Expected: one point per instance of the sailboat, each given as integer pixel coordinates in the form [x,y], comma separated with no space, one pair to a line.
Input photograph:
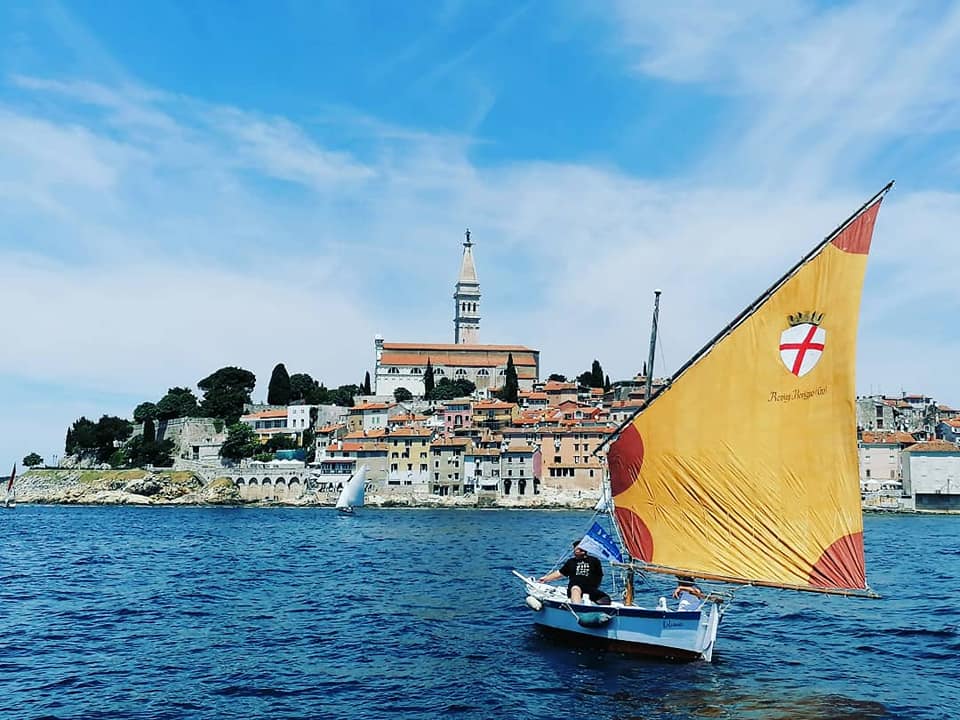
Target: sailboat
[10,500]
[742,469]
[351,496]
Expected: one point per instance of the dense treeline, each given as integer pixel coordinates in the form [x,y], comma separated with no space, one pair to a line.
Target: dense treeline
[224,394]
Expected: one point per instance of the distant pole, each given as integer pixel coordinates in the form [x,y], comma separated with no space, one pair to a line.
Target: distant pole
[653,345]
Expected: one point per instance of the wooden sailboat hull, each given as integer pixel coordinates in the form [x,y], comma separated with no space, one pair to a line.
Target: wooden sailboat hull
[667,634]
[663,633]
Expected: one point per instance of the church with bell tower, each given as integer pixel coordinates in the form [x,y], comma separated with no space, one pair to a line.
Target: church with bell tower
[401,365]
[466,297]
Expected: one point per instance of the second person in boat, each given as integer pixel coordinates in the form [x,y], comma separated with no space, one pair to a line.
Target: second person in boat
[584,573]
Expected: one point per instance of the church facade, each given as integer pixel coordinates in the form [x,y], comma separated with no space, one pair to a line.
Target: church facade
[403,364]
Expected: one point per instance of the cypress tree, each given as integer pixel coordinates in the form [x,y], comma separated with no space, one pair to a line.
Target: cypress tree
[149,431]
[428,381]
[511,387]
[596,375]
[278,393]
[366,384]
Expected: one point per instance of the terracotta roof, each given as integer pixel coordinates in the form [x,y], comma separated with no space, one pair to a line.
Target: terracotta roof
[897,436]
[344,447]
[554,386]
[365,434]
[450,359]
[519,448]
[953,422]
[933,446]
[330,428]
[371,406]
[492,405]
[453,346]
[265,414]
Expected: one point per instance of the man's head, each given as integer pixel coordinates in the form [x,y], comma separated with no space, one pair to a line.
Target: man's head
[577,550]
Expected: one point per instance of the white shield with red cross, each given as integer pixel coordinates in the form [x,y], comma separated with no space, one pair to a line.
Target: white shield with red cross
[801,347]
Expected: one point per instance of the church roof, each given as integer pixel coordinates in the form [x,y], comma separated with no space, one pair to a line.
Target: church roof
[454,359]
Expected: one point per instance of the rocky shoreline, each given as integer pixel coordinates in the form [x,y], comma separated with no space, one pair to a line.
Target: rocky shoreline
[145,487]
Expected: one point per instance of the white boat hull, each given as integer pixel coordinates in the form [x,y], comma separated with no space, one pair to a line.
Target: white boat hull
[667,634]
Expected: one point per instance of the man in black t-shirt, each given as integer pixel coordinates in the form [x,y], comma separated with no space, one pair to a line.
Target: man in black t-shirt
[584,573]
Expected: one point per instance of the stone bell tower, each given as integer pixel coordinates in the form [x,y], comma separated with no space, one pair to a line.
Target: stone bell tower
[466,298]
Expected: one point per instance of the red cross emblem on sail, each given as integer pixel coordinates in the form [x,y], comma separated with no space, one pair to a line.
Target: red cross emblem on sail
[801,347]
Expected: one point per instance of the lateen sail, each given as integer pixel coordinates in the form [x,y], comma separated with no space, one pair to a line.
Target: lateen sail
[352,493]
[745,466]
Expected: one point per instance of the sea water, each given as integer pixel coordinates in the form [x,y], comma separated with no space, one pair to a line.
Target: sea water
[127,612]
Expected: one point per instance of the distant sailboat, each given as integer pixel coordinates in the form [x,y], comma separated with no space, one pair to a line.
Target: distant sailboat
[11,498]
[764,489]
[351,496]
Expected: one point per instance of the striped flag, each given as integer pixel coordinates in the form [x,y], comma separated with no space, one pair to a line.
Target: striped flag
[600,543]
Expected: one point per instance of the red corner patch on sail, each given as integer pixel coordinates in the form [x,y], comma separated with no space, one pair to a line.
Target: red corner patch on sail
[856,236]
[841,565]
[624,459]
[635,533]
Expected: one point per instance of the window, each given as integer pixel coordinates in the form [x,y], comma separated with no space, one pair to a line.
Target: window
[393,371]
[460,372]
[416,371]
[438,371]
[868,472]
[483,372]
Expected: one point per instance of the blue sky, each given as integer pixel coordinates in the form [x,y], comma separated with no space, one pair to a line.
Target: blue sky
[190,185]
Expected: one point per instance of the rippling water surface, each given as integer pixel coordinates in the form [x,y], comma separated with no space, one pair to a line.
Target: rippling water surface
[122,612]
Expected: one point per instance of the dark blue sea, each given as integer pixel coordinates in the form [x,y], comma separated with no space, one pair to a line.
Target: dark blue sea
[125,612]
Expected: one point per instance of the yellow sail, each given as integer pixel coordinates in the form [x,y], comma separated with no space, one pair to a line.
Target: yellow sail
[745,466]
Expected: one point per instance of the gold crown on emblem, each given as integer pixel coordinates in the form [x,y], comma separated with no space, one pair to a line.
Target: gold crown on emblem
[807,317]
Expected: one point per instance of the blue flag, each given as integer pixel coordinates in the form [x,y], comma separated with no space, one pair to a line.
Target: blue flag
[600,543]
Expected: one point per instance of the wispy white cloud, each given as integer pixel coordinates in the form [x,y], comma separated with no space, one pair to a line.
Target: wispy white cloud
[159,237]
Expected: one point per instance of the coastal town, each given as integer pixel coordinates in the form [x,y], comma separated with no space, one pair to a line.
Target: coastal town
[540,445]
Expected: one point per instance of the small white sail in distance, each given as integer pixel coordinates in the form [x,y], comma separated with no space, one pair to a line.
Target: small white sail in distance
[352,494]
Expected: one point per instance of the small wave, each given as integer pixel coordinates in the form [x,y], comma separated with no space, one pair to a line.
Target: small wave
[250,691]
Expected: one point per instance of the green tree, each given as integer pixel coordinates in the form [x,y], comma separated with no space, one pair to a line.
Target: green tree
[606,383]
[32,460]
[596,375]
[585,378]
[511,386]
[344,395]
[447,389]
[308,441]
[366,384]
[280,441]
[110,432]
[401,394]
[140,452]
[428,380]
[81,438]
[557,377]
[177,403]
[145,411]
[225,392]
[279,390]
[149,431]
[241,442]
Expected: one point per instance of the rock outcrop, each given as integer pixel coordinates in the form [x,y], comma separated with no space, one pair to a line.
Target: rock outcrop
[74,486]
